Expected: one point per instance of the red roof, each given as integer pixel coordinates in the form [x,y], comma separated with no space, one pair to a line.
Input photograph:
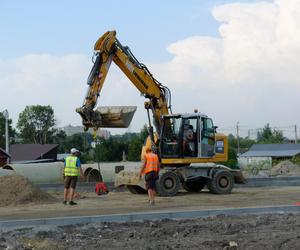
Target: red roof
[27,152]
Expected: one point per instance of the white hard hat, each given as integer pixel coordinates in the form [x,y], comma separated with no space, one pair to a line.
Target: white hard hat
[74,150]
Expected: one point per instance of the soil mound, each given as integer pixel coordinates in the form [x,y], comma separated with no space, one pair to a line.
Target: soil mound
[18,190]
[285,168]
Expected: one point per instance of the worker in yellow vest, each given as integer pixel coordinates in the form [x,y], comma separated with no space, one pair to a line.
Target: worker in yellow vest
[72,170]
[150,169]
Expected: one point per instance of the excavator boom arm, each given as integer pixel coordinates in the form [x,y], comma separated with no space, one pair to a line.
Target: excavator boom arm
[108,49]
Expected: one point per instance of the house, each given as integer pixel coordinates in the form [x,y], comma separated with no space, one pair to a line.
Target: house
[33,152]
[263,155]
[4,157]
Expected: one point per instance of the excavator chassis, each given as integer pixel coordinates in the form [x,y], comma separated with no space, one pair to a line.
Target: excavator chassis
[219,179]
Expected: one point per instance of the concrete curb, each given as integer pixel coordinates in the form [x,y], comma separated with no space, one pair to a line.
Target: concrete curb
[61,221]
[252,182]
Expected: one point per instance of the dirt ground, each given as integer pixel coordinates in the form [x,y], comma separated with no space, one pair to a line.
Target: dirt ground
[273,231]
[277,231]
[125,202]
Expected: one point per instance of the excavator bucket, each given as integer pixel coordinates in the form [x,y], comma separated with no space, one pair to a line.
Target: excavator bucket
[128,178]
[107,117]
[131,180]
[114,116]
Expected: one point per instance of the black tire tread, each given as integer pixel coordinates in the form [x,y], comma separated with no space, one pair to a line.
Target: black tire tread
[213,184]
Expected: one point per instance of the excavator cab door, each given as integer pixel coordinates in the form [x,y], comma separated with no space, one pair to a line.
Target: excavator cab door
[207,138]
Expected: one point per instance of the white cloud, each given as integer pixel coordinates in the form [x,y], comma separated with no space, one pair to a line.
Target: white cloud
[46,80]
[247,74]
[60,81]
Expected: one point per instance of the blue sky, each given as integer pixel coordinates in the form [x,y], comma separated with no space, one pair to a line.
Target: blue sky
[63,27]
[235,60]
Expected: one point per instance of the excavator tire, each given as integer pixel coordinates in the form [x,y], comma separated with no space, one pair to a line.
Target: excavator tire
[221,183]
[194,186]
[168,184]
[136,189]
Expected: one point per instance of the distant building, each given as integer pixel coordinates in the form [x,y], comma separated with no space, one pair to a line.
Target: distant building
[33,152]
[4,157]
[262,155]
[71,130]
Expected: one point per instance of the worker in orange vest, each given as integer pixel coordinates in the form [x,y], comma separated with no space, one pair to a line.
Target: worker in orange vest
[150,169]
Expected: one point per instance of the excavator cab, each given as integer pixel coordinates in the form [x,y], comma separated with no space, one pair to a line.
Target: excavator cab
[191,136]
[187,136]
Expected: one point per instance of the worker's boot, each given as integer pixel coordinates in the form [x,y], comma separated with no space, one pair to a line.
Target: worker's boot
[152,203]
[72,203]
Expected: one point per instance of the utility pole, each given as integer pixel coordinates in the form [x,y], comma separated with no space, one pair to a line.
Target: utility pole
[6,116]
[296,139]
[238,138]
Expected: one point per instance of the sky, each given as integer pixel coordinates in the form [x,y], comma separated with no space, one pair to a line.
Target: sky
[236,61]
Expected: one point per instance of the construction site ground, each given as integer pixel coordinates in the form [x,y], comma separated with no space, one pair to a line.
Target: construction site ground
[122,202]
[264,231]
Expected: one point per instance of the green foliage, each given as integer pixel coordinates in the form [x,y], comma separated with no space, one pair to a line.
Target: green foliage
[245,144]
[232,158]
[11,131]
[135,148]
[36,124]
[296,160]
[269,136]
[131,143]
[59,138]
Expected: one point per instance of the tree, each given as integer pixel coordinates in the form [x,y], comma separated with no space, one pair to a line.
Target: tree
[245,144]
[136,144]
[36,124]
[11,131]
[59,138]
[270,136]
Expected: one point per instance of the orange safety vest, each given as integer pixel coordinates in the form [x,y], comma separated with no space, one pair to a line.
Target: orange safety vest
[151,163]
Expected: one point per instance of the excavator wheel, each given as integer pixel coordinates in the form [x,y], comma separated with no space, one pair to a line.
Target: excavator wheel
[168,184]
[136,189]
[194,186]
[221,183]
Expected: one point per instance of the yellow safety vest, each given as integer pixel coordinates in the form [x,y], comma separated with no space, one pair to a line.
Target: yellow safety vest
[70,168]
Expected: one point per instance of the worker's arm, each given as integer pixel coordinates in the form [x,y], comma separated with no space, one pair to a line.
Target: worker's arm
[63,169]
[143,167]
[78,164]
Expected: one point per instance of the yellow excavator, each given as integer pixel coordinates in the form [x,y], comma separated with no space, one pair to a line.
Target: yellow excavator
[189,148]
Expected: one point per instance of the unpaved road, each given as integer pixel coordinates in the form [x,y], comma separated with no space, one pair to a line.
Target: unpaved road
[125,202]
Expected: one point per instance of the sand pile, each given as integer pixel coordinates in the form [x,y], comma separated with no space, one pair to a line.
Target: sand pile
[17,190]
[285,168]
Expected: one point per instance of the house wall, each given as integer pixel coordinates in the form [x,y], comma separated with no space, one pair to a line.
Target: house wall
[261,163]
[3,159]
